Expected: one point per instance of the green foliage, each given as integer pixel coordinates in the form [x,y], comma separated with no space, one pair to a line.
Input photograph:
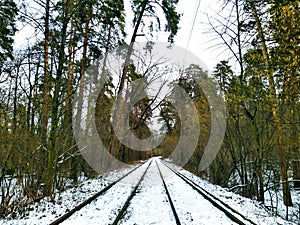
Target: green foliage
[223,73]
[168,7]
[8,13]
[168,116]
[172,18]
[188,81]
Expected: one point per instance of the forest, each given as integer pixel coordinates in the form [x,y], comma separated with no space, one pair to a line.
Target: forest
[259,83]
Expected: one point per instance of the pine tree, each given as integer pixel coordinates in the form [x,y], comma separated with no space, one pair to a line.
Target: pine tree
[8,13]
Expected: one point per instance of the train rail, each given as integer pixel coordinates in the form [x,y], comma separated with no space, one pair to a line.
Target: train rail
[231,213]
[125,206]
[94,197]
[169,196]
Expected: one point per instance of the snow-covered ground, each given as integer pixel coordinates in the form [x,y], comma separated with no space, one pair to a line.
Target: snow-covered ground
[150,205]
[251,209]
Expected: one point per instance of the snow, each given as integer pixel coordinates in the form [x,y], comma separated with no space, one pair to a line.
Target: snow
[150,205]
[192,207]
[253,210]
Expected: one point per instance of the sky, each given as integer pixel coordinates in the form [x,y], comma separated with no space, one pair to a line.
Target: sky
[199,43]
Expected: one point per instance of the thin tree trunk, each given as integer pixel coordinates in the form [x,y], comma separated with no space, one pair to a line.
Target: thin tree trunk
[293,92]
[239,43]
[46,102]
[74,160]
[69,100]
[129,52]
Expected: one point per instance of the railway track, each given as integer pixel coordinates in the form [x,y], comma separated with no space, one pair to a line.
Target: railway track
[125,206]
[169,196]
[231,213]
[98,194]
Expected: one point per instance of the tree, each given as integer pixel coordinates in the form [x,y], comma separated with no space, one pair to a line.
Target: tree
[276,101]
[173,116]
[8,13]
[285,58]
[39,82]
[141,7]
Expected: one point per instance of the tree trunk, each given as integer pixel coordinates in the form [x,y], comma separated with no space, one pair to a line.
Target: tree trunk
[295,135]
[69,101]
[74,160]
[46,104]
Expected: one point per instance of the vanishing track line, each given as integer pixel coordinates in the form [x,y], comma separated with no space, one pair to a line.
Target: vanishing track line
[231,213]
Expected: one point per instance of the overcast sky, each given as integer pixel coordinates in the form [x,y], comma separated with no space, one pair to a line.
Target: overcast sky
[199,42]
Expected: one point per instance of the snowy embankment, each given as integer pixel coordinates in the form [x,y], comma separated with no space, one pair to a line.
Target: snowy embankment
[150,204]
[253,210]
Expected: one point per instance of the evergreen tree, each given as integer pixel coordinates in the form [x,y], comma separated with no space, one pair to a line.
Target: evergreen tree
[8,13]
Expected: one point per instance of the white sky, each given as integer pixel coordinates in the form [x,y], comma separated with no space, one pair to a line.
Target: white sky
[199,42]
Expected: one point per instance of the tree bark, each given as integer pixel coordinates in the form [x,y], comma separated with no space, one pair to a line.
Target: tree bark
[46,104]
[74,160]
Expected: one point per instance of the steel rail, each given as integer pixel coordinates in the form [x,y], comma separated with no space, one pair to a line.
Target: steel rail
[126,204]
[222,206]
[169,196]
[92,198]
